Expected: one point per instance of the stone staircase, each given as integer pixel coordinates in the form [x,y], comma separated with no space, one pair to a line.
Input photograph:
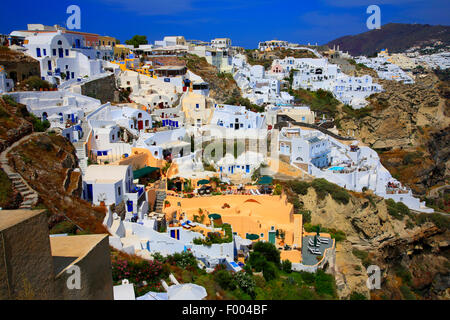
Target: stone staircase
[160,196]
[29,197]
[80,147]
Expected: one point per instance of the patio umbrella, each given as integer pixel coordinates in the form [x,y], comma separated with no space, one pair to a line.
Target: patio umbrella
[153,296]
[202,182]
[188,291]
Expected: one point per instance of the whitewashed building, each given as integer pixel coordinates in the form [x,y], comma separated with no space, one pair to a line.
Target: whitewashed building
[57,60]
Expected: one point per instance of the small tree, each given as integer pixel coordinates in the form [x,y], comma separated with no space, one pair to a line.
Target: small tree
[137,40]
[286,266]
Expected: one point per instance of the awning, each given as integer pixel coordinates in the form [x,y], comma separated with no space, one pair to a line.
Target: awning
[215,216]
[265,180]
[143,172]
[252,236]
[202,182]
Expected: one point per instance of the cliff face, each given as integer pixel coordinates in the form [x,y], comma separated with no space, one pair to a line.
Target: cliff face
[48,163]
[12,124]
[222,87]
[18,66]
[374,237]
[404,121]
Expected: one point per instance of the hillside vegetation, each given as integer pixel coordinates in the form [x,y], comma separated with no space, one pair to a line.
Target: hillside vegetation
[222,86]
[411,249]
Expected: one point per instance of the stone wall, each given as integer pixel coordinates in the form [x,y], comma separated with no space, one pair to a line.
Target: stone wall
[96,278]
[19,70]
[26,267]
[103,89]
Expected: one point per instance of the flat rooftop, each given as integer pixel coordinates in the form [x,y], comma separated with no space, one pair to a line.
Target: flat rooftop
[71,249]
[9,218]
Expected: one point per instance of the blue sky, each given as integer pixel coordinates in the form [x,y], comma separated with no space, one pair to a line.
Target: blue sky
[246,22]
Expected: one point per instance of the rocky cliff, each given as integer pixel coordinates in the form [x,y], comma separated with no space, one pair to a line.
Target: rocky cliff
[413,248]
[49,165]
[222,86]
[407,124]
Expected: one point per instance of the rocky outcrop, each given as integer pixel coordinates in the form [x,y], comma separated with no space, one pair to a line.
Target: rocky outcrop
[49,165]
[406,120]
[385,242]
[18,65]
[12,125]
[397,113]
[222,88]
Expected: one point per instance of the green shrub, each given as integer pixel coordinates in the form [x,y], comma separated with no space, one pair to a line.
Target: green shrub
[64,227]
[323,187]
[300,187]
[407,293]
[324,284]
[245,282]
[363,256]
[35,82]
[257,261]
[269,271]
[397,209]
[277,190]
[183,260]
[38,124]
[357,296]
[286,266]
[225,280]
[404,274]
[308,278]
[268,250]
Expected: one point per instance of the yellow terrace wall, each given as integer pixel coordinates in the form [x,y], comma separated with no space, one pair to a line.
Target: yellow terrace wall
[247,214]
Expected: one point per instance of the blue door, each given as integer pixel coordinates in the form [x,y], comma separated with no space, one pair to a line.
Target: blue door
[49,65]
[61,52]
[89,191]
[130,206]
[247,168]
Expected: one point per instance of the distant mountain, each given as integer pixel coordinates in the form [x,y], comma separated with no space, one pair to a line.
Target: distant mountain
[396,37]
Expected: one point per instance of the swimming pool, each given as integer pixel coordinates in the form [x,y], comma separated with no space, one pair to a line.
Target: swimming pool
[336,168]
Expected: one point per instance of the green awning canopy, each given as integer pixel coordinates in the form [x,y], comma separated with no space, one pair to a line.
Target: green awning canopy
[202,182]
[215,216]
[265,180]
[143,172]
[252,236]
